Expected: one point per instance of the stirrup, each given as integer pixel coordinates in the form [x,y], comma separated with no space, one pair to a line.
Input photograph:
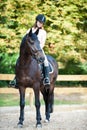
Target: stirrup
[13,84]
[46,81]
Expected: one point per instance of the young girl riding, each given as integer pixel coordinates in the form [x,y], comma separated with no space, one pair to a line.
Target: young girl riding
[41,34]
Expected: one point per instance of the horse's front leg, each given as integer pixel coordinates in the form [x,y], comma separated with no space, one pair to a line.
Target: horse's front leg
[37,105]
[22,105]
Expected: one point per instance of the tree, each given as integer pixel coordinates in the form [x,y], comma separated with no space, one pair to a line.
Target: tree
[66,29]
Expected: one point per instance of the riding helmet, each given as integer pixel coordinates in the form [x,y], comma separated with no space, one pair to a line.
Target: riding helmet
[41,18]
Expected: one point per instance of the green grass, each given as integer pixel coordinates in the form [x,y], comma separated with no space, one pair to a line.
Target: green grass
[9,100]
[13,100]
[62,102]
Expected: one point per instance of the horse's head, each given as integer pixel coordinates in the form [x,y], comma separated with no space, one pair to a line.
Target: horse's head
[34,45]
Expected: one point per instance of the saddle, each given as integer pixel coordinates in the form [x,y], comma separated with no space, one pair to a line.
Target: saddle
[41,66]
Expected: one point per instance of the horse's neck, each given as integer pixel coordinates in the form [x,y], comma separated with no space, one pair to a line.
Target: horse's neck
[25,58]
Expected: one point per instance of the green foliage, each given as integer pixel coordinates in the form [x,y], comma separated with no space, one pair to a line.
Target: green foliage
[7,64]
[72,67]
[66,28]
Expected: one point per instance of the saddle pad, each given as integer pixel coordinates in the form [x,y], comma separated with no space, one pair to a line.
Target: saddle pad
[50,68]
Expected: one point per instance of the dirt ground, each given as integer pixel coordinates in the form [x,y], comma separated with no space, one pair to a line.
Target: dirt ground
[64,117]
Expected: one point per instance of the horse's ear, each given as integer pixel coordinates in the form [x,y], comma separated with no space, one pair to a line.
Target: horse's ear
[30,32]
[37,31]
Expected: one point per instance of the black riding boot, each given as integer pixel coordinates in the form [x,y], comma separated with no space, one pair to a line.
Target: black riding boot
[46,80]
[13,83]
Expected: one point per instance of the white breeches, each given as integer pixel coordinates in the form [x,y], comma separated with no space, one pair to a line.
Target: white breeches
[45,61]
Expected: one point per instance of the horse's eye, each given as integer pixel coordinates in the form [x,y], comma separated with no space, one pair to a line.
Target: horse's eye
[31,41]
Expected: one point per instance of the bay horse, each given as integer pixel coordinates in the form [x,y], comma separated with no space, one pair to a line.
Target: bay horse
[28,74]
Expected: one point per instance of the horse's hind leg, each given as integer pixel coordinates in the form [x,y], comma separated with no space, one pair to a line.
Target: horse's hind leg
[47,105]
[49,100]
[22,105]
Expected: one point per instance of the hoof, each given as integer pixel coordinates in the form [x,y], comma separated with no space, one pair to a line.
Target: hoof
[20,125]
[46,121]
[39,125]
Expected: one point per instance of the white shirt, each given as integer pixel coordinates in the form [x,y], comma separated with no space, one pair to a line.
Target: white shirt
[41,36]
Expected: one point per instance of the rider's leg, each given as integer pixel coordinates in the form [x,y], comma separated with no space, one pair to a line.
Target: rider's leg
[46,80]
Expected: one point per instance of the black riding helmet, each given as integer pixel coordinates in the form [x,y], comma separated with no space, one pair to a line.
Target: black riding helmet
[41,18]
